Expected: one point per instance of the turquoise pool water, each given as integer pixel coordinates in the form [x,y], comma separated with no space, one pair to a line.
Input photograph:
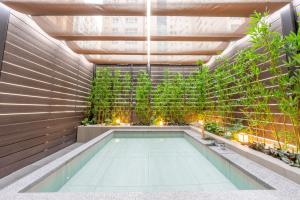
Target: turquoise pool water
[145,162]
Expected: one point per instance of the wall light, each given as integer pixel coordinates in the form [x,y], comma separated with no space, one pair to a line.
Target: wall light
[161,123]
[201,123]
[201,126]
[243,138]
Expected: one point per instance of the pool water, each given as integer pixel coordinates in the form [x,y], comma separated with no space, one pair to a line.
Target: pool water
[155,162]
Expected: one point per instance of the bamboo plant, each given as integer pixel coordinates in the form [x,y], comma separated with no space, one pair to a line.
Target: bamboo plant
[127,98]
[117,91]
[143,98]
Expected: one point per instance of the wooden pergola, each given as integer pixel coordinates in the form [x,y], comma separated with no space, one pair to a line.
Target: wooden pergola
[43,11]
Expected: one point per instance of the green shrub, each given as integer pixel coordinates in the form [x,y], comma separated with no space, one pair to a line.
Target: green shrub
[213,127]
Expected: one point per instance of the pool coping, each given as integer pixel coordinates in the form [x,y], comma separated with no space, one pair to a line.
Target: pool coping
[11,178]
[283,186]
[86,133]
[274,164]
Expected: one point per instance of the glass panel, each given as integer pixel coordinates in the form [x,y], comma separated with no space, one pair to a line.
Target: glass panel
[93,25]
[113,45]
[185,46]
[174,25]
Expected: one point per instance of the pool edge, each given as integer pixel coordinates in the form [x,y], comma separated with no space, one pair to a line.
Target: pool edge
[16,187]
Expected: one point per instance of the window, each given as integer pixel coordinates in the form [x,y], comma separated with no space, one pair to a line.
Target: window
[115,30]
[131,43]
[131,1]
[131,20]
[115,20]
[131,30]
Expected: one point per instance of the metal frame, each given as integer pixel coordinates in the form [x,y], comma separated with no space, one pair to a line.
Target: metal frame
[94,70]
[4,20]
[289,24]
[288,20]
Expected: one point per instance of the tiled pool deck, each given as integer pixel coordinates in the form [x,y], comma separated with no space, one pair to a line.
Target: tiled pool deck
[284,188]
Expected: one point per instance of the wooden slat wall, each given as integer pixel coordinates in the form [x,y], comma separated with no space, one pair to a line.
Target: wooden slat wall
[133,70]
[157,72]
[276,25]
[43,90]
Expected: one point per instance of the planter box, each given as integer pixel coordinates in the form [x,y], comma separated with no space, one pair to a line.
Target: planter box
[274,164]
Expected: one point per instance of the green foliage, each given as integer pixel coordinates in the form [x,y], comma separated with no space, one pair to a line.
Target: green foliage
[104,95]
[168,98]
[201,78]
[245,60]
[191,95]
[161,98]
[143,95]
[180,100]
[289,96]
[195,90]
[213,127]
[240,84]
[104,100]
[268,43]
[176,99]
[223,90]
[200,63]
[127,97]
[287,138]
[99,98]
[121,97]
[159,102]
[292,47]
[92,110]
[117,91]
[285,95]
[236,85]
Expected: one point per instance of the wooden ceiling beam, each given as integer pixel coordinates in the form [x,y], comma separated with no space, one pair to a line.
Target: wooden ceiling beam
[201,37]
[122,62]
[168,53]
[219,9]
[209,9]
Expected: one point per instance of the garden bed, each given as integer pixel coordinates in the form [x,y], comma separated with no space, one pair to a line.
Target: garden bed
[232,133]
[263,159]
